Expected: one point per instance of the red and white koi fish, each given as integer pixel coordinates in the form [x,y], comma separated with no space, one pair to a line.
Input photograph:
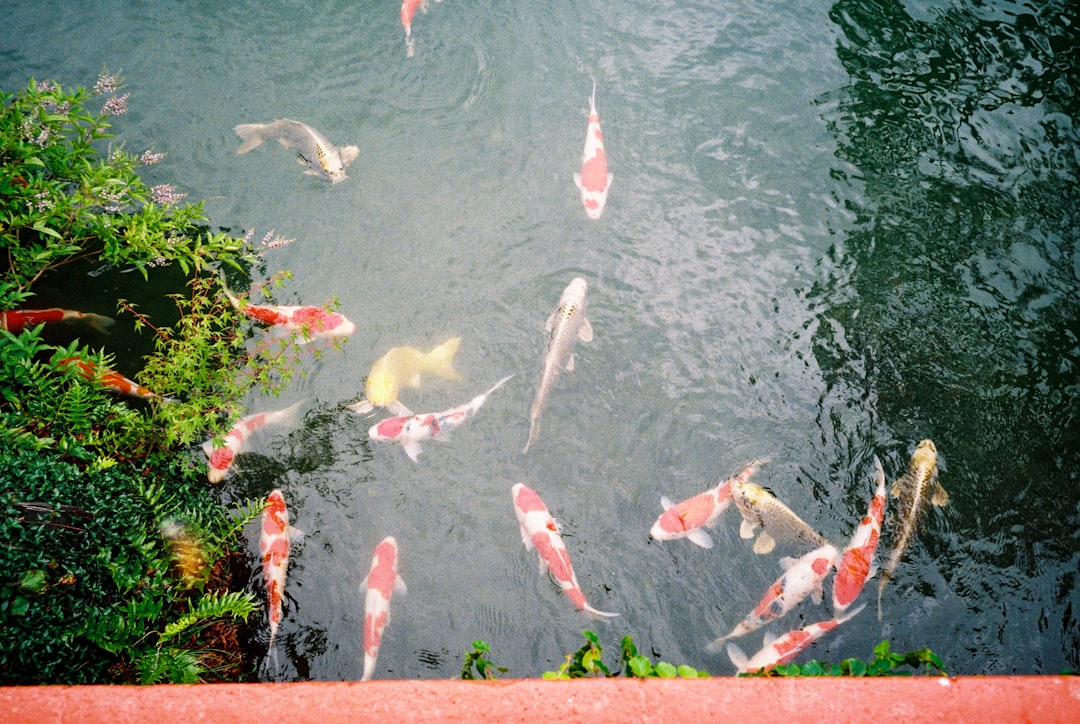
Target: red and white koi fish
[777,651]
[594,179]
[687,518]
[802,578]
[308,322]
[381,582]
[221,458]
[274,545]
[408,10]
[854,566]
[409,431]
[108,378]
[16,320]
[540,531]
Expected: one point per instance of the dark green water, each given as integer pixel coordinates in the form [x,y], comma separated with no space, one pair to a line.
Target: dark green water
[835,229]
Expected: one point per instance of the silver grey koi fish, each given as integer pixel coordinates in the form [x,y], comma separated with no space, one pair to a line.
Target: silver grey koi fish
[323,158]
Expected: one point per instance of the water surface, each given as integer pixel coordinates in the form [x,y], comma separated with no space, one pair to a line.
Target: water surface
[835,229]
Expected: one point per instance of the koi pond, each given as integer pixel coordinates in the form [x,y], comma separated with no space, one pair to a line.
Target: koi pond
[834,229]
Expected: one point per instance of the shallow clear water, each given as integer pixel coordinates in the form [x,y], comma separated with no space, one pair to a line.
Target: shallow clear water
[835,229]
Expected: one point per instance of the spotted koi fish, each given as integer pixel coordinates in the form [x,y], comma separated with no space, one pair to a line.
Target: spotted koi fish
[688,518]
[322,157]
[540,531]
[410,431]
[566,325]
[274,546]
[109,379]
[802,578]
[784,649]
[856,562]
[594,179]
[381,583]
[221,458]
[308,322]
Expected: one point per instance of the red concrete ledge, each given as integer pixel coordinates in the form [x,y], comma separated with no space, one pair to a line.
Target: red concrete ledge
[959,699]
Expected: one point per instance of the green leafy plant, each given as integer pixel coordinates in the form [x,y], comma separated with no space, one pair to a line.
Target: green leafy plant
[587,662]
[477,658]
[884,663]
[115,561]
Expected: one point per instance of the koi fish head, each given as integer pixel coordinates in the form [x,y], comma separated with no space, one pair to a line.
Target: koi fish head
[221,460]
[925,455]
[381,389]
[388,429]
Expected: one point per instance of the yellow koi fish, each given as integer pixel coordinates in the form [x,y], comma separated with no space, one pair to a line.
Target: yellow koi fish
[916,489]
[402,367]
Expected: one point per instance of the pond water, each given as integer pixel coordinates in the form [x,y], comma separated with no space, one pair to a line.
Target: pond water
[835,229]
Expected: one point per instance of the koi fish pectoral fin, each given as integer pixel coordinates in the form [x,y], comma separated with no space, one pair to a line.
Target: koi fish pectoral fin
[399,586]
[398,409]
[570,363]
[817,594]
[700,537]
[940,498]
[413,450]
[585,334]
[362,407]
[746,529]
[577,180]
[349,154]
[764,544]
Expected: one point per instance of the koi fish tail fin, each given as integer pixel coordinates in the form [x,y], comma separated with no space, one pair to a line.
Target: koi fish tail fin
[440,361]
[498,384]
[593,613]
[410,46]
[98,322]
[534,432]
[369,668]
[717,645]
[251,135]
[849,615]
[881,587]
[592,99]
[233,299]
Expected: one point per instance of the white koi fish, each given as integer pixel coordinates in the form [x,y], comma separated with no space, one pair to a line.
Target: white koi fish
[381,582]
[566,325]
[855,563]
[594,179]
[409,431]
[308,322]
[322,157]
[760,508]
[540,531]
[687,518]
[221,458]
[777,651]
[916,489]
[802,578]
[274,545]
